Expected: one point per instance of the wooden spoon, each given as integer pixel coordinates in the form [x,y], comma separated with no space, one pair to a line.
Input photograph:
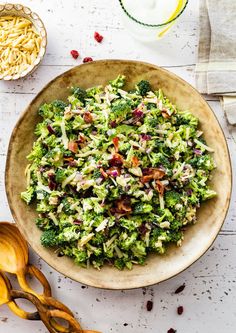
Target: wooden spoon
[8,296]
[13,260]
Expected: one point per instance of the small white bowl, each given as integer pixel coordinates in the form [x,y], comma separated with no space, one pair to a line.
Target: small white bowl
[20,10]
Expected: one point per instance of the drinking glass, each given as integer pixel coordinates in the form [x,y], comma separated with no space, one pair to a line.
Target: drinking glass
[150,20]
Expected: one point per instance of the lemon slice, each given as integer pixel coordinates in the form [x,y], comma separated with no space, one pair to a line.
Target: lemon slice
[173,15]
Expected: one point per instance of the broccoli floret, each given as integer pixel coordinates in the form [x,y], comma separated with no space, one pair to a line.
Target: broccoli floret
[43,223]
[46,111]
[49,238]
[119,263]
[143,87]
[28,195]
[142,208]
[207,194]
[92,92]
[119,111]
[187,118]
[118,82]
[79,93]
[175,236]
[98,239]
[58,107]
[37,152]
[172,198]
[206,162]
[127,241]
[41,130]
[69,234]
[80,257]
[139,249]
[61,175]
[176,225]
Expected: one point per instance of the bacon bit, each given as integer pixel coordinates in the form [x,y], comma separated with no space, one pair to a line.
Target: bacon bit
[116,143]
[73,146]
[180,289]
[104,174]
[152,173]
[87,59]
[160,187]
[180,310]
[135,161]
[149,305]
[98,37]
[88,117]
[116,160]
[74,54]
[165,114]
[81,139]
[69,159]
[122,206]
[113,171]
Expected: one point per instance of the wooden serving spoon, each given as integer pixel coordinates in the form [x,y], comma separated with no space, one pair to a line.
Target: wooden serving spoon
[8,296]
[14,259]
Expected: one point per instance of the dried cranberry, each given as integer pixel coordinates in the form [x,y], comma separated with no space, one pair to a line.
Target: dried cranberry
[116,160]
[149,305]
[146,137]
[171,330]
[50,129]
[52,185]
[98,37]
[87,59]
[138,113]
[143,229]
[180,310]
[77,222]
[113,124]
[180,289]
[74,54]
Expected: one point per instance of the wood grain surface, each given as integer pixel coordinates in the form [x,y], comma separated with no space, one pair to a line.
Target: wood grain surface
[210,293]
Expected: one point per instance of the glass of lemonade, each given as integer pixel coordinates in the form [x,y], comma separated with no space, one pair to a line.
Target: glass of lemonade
[150,20]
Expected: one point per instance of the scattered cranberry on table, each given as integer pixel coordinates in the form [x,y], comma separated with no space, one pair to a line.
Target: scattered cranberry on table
[74,53]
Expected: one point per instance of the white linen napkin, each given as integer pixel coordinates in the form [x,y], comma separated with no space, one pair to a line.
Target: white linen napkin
[216,67]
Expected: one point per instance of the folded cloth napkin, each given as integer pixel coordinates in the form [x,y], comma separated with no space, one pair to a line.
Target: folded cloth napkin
[216,67]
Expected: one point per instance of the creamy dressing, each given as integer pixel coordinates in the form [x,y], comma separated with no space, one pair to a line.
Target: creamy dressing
[152,11]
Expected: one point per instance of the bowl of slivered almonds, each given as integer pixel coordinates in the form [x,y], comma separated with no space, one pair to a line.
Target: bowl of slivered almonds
[23,41]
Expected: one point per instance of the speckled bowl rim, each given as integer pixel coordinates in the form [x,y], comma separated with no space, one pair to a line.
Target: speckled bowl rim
[24,11]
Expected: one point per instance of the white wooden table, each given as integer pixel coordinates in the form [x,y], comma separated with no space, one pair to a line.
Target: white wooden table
[210,295]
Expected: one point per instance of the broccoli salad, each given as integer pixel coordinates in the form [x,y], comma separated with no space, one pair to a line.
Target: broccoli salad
[116,174]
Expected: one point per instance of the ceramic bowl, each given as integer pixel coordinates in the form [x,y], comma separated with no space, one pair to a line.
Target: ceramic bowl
[20,10]
[211,215]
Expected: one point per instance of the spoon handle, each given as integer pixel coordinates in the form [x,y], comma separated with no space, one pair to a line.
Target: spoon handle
[34,271]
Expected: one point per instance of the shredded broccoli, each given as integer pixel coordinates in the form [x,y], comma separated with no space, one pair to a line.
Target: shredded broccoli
[116,174]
